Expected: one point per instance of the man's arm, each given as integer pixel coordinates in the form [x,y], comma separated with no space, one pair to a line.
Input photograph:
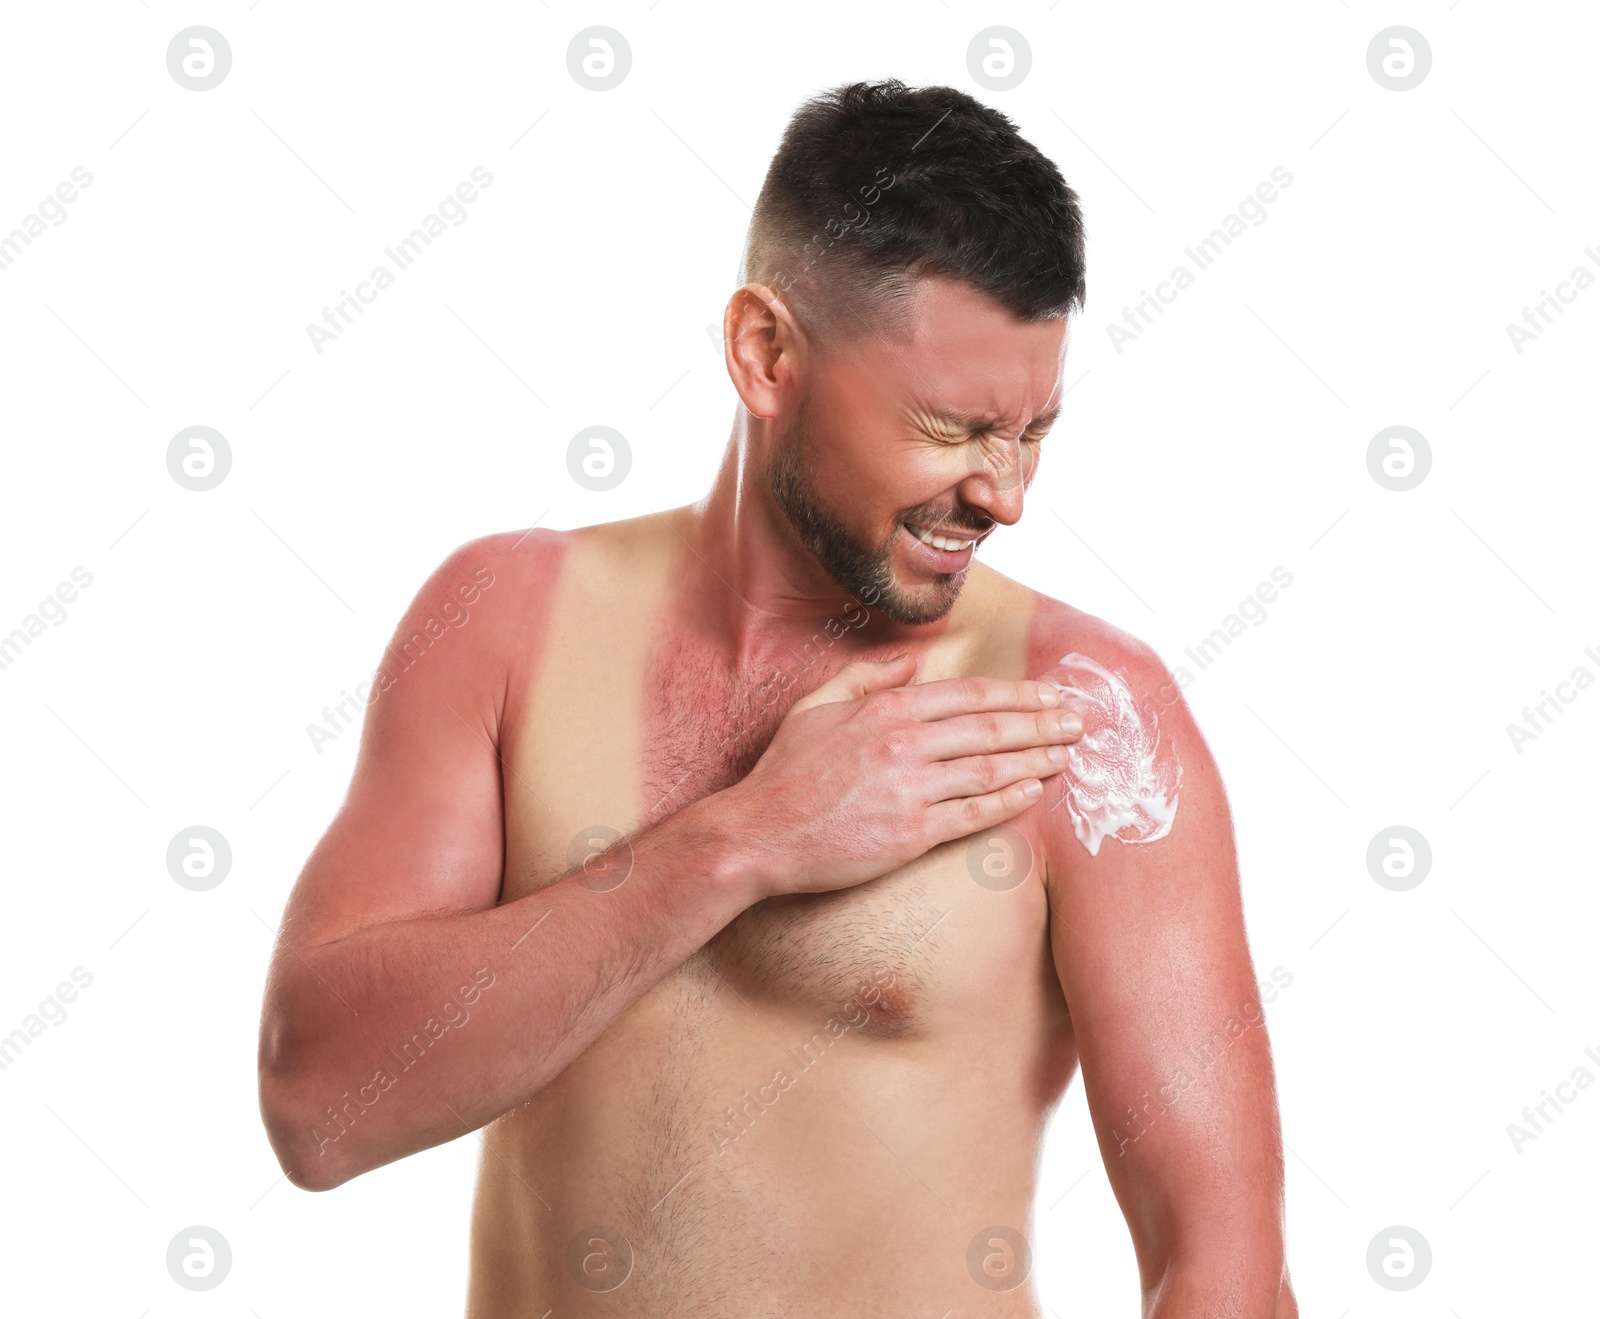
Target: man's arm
[397,1013]
[1149,944]
[404,1007]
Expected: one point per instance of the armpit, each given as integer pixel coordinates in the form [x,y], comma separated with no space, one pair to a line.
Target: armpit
[1122,776]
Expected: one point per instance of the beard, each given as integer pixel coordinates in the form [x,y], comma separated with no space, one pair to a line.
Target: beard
[865,573]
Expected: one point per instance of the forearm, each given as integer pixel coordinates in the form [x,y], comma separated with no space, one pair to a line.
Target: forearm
[374,1046]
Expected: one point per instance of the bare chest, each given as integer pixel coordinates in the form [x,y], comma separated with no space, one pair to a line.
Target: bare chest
[943,936]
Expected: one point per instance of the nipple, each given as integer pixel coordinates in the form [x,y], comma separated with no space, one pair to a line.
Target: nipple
[883,1004]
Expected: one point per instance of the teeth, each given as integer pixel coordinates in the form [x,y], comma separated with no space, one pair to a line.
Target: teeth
[939,542]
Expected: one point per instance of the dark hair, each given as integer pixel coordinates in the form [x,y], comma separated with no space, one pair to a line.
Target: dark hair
[876,184]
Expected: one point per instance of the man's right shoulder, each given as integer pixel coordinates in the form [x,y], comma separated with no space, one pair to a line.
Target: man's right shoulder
[517,567]
[481,612]
[523,558]
[532,560]
[481,621]
[513,577]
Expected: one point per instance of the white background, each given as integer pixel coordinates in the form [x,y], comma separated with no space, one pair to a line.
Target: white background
[1230,438]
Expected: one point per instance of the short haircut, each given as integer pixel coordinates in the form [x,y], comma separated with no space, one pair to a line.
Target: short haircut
[877,184]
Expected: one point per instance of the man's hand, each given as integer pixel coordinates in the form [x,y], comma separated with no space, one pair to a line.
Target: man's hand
[865,774]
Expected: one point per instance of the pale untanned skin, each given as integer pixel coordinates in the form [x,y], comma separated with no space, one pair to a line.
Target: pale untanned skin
[892,1047]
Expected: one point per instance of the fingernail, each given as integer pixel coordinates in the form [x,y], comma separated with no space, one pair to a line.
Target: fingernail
[1071,722]
[1032,788]
[1049,694]
[1057,755]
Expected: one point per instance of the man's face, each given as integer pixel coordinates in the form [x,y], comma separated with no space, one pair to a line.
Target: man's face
[931,430]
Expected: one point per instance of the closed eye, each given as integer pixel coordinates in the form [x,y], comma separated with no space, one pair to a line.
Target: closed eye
[951,427]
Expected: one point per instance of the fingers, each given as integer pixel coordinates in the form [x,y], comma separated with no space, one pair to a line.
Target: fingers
[974,776]
[961,816]
[860,677]
[953,696]
[1004,730]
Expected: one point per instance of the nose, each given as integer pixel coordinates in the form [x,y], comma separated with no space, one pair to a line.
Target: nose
[1001,467]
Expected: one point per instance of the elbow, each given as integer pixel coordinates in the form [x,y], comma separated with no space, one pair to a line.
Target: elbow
[1251,1289]
[309,1173]
[314,1152]
[313,1149]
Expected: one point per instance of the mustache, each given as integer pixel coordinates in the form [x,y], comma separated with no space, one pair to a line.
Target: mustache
[940,521]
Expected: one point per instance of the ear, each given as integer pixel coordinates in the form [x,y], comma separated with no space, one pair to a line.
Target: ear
[764,349]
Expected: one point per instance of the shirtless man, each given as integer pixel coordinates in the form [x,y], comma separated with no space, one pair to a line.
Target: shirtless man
[735,872]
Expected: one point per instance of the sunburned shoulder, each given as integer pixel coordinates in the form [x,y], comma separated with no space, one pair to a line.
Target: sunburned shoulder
[1141,751]
[1055,629]
[503,565]
[530,559]
[599,548]
[532,549]
[1059,630]
[510,579]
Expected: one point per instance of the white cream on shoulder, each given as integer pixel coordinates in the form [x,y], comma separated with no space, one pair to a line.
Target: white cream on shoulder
[1123,774]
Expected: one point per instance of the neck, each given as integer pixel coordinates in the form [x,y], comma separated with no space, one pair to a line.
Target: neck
[757,584]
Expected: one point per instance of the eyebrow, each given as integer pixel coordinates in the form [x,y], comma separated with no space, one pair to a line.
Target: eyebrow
[970,421]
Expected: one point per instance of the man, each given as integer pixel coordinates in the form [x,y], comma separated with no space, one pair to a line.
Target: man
[734,869]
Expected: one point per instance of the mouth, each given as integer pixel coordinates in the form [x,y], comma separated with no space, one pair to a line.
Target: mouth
[940,549]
